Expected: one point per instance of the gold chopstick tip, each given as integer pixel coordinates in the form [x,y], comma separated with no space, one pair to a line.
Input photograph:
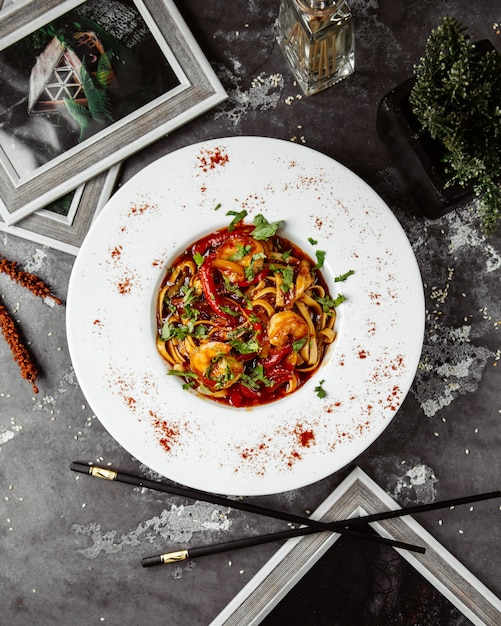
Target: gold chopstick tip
[101,472]
[173,557]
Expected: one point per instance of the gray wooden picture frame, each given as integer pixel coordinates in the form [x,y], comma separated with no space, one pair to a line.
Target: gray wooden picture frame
[67,232]
[197,91]
[358,495]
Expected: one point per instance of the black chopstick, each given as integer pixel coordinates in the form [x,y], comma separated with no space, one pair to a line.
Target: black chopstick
[309,525]
[237,544]
[191,553]
[315,525]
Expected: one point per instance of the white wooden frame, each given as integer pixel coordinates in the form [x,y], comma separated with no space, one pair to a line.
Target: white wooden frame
[198,90]
[360,495]
[67,232]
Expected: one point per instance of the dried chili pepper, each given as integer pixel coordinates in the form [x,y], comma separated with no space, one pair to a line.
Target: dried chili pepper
[25,279]
[21,355]
[10,332]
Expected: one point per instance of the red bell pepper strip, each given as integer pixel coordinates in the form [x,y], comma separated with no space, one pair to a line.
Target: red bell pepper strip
[257,277]
[216,239]
[274,359]
[279,376]
[206,275]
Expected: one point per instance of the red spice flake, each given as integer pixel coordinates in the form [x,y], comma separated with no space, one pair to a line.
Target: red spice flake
[140,208]
[304,437]
[125,286]
[393,399]
[293,457]
[97,323]
[398,362]
[362,427]
[209,159]
[330,407]
[21,355]
[116,252]
[130,402]
[168,433]
[362,354]
[371,329]
[376,298]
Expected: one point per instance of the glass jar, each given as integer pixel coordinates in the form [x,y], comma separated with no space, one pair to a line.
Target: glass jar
[317,39]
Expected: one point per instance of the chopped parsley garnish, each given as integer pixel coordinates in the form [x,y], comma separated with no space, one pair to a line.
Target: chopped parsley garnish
[233,288]
[287,276]
[319,390]
[328,303]
[227,309]
[245,347]
[181,331]
[218,206]
[264,229]
[297,345]
[181,373]
[171,331]
[342,277]
[253,379]
[238,217]
[198,258]
[241,252]
[312,241]
[249,270]
[320,254]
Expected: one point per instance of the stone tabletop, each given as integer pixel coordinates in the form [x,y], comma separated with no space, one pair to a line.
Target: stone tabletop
[70,546]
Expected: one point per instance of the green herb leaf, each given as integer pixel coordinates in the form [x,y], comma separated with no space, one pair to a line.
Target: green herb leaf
[239,216]
[342,277]
[198,258]
[319,390]
[172,331]
[312,241]
[227,309]
[297,345]
[320,254]
[264,229]
[182,374]
[288,277]
[328,303]
[245,347]
[253,379]
[240,253]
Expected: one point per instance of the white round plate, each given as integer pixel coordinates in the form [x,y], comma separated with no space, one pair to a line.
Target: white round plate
[291,442]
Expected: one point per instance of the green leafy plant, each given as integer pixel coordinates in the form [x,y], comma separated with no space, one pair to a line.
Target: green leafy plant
[457,99]
[98,103]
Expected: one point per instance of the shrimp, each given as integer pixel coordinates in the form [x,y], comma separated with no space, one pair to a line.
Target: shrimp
[215,367]
[286,327]
[239,253]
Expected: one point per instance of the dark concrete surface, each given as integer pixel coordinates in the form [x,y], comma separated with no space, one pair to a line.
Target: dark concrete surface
[70,546]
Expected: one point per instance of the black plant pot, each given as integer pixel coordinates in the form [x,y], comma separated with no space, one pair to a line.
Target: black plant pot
[417,155]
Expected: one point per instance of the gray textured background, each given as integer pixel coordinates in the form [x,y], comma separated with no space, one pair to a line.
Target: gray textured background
[70,546]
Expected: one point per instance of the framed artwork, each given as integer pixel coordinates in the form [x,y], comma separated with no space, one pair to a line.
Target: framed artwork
[388,582]
[64,223]
[83,85]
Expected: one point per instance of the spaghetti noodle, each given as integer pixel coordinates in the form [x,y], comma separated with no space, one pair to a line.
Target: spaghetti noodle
[244,315]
